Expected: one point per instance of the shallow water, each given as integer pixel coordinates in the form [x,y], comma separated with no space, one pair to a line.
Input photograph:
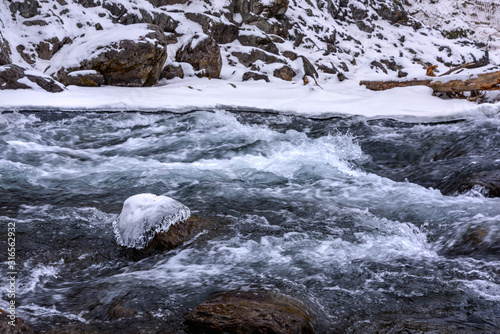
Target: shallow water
[346,214]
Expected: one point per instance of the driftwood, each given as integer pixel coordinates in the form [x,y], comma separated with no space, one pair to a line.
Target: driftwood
[450,84]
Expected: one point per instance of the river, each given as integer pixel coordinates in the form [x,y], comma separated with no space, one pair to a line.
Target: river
[367,221]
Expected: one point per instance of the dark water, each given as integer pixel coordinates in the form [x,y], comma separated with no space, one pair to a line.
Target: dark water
[375,224]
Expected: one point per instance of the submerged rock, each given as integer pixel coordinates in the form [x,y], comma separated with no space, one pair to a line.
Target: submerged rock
[14,326]
[255,312]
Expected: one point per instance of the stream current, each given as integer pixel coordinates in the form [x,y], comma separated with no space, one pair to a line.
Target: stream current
[363,220]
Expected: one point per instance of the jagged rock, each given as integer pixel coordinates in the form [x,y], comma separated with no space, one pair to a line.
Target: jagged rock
[203,54]
[272,27]
[88,78]
[253,10]
[309,68]
[284,73]
[115,9]
[264,43]
[5,51]
[27,8]
[396,14]
[162,20]
[16,77]
[328,69]
[28,57]
[214,27]
[47,48]
[259,312]
[172,71]
[159,3]
[165,22]
[20,327]
[290,55]
[125,62]
[255,76]
[247,59]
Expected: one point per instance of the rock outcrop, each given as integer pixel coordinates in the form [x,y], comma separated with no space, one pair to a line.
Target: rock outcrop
[261,311]
[127,62]
[203,53]
[16,77]
[4,51]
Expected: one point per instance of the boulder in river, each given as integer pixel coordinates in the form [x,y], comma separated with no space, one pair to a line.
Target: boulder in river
[255,312]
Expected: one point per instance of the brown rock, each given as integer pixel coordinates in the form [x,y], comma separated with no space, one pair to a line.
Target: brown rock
[203,54]
[11,74]
[309,68]
[214,27]
[160,3]
[247,59]
[126,62]
[19,326]
[85,79]
[47,48]
[264,43]
[172,71]
[284,73]
[255,76]
[258,312]
[27,8]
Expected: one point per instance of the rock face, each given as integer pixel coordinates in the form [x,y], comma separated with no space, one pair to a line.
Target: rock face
[262,312]
[26,8]
[19,326]
[126,62]
[16,77]
[4,51]
[203,54]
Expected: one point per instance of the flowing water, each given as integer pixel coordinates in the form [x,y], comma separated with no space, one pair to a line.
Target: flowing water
[347,215]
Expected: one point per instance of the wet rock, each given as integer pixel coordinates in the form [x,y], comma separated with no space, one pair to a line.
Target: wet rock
[485,182]
[16,77]
[172,71]
[14,326]
[88,78]
[264,43]
[176,235]
[5,51]
[479,240]
[247,59]
[203,54]
[214,27]
[127,62]
[250,312]
[255,76]
[284,73]
[26,8]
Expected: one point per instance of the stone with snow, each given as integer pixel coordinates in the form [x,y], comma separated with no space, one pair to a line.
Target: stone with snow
[131,56]
[145,215]
[4,51]
[204,54]
[17,77]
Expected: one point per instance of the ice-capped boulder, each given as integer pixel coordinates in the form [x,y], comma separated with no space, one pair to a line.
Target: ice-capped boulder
[130,56]
[145,215]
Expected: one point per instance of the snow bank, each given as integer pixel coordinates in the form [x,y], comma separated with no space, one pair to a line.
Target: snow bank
[183,95]
[144,215]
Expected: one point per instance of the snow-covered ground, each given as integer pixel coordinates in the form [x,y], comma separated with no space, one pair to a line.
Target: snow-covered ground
[332,98]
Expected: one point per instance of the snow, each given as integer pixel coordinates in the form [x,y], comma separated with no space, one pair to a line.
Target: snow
[144,215]
[183,95]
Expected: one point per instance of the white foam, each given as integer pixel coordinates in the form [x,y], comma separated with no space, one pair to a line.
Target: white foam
[144,215]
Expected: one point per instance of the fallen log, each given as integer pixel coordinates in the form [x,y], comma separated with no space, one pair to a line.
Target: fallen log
[448,84]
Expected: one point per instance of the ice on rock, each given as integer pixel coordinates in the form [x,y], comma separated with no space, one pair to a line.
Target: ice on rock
[144,215]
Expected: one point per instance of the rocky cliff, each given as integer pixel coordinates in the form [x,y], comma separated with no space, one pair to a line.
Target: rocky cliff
[139,42]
